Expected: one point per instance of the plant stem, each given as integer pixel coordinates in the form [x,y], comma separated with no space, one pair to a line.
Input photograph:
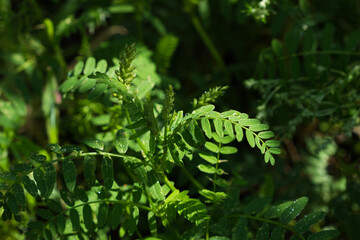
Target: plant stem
[207,41]
[191,178]
[102,153]
[267,221]
[168,183]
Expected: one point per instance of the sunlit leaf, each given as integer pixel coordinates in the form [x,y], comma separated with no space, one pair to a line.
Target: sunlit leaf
[218,124]
[212,147]
[207,168]
[205,124]
[208,157]
[259,127]
[275,150]
[228,150]
[250,138]
[239,133]
[229,128]
[89,66]
[248,122]
[266,134]
[272,143]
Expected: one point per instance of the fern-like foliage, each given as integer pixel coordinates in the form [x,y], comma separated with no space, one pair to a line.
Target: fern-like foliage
[126,72]
[79,192]
[165,49]
[309,74]
[209,96]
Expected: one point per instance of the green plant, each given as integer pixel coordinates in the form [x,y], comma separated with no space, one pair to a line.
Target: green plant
[124,180]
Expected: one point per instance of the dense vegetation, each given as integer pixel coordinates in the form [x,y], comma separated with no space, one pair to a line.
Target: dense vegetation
[191,119]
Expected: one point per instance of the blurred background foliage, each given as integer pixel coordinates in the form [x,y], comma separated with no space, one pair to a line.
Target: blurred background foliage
[293,64]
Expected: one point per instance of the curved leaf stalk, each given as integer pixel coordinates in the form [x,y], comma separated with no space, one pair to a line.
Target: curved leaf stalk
[168,183]
[196,183]
[267,221]
[207,41]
